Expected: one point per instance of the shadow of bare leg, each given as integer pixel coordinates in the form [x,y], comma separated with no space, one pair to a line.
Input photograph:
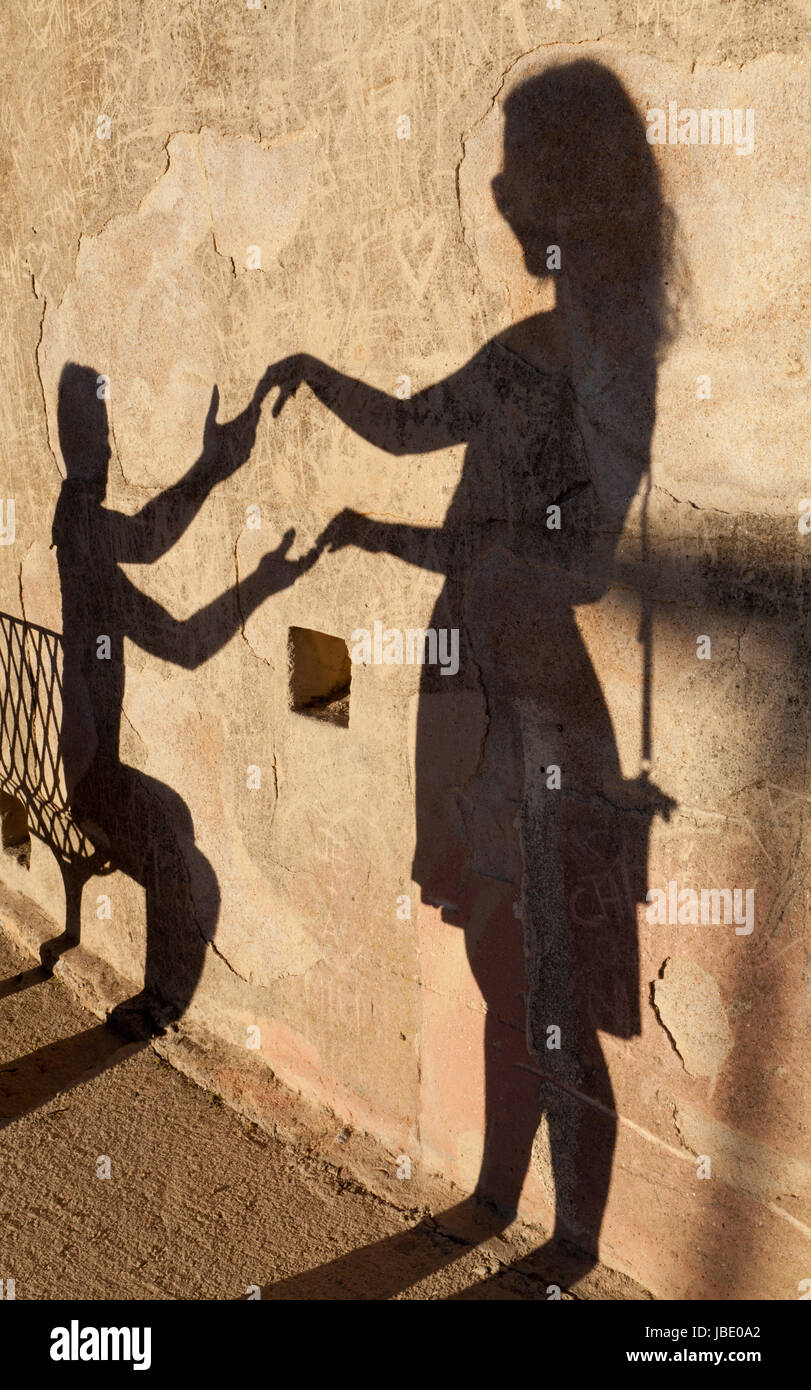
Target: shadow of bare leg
[155,846]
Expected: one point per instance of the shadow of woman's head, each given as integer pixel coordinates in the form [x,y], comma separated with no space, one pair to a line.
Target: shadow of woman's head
[579,173]
[83,428]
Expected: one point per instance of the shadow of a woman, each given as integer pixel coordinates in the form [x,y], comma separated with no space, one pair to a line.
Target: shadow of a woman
[528,836]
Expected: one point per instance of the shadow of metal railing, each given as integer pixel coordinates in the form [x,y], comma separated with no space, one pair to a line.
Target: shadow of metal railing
[31,764]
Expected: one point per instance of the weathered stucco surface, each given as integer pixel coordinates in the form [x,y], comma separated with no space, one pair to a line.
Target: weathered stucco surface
[233,130]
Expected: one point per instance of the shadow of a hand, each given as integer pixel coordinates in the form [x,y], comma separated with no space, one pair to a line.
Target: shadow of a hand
[278,570]
[288,374]
[232,441]
[342,530]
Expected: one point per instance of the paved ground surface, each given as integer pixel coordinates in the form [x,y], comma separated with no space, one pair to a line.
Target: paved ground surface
[199,1203]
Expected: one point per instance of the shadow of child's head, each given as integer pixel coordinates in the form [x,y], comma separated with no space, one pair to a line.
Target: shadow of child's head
[83,427]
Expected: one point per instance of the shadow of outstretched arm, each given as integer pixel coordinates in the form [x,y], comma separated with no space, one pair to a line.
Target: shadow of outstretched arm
[435,418]
[155,529]
[438,417]
[424,546]
[192,641]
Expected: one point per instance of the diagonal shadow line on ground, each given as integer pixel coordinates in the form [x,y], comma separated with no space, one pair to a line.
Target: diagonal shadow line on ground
[32,1080]
[15,984]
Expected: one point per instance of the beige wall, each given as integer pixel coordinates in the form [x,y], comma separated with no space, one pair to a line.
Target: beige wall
[232,128]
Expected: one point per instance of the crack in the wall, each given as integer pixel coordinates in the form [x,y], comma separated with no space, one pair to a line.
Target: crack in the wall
[687,502]
[659,1019]
[514,62]
[38,369]
[20,583]
[204,171]
[274,766]
[676,1124]
[242,619]
[125,716]
[212,942]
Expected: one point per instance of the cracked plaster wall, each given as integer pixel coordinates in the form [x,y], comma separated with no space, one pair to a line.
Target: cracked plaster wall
[278,129]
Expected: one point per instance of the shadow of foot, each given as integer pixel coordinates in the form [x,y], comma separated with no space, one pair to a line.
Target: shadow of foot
[50,951]
[140,1018]
[557,1265]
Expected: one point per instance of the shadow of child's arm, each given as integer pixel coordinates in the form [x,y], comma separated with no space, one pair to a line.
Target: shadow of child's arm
[155,529]
[439,416]
[192,641]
